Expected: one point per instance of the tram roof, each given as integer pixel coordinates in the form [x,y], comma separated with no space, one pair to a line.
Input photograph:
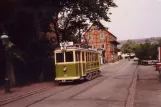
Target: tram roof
[76,48]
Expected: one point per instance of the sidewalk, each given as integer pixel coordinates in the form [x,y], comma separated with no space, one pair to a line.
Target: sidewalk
[148,88]
[21,92]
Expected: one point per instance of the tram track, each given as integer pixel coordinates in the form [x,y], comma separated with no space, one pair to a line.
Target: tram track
[32,93]
[120,66]
[98,80]
[102,80]
[90,86]
[113,64]
[116,69]
[85,89]
[15,98]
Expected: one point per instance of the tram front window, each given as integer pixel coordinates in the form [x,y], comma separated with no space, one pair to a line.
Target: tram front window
[59,57]
[69,56]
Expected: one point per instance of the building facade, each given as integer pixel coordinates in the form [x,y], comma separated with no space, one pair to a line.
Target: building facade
[99,37]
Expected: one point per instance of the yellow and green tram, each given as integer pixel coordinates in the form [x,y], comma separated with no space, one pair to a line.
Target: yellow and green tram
[76,63]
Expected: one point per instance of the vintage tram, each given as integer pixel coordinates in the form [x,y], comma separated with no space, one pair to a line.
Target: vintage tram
[75,63]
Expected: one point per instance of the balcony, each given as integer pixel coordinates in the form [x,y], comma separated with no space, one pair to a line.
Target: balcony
[115,50]
[114,42]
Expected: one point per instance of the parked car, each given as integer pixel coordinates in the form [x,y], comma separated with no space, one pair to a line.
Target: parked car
[136,59]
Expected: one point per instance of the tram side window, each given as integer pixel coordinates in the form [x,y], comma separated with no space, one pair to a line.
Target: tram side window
[83,56]
[96,57]
[86,56]
[90,55]
[69,56]
[59,57]
[77,54]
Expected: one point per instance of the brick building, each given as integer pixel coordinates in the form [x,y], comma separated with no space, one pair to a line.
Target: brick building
[99,37]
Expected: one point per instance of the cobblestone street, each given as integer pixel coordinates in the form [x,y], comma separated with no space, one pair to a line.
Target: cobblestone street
[111,89]
[80,53]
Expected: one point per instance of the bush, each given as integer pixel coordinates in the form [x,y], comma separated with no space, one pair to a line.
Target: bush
[146,51]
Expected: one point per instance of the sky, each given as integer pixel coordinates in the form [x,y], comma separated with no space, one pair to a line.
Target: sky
[135,19]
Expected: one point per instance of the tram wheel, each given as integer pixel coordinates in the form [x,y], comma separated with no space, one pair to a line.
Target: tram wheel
[95,74]
[89,76]
[98,73]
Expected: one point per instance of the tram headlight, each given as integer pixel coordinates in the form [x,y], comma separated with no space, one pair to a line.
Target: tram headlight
[65,69]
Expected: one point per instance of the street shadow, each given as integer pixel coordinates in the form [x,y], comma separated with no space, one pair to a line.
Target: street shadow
[76,82]
[146,64]
[159,78]
[134,63]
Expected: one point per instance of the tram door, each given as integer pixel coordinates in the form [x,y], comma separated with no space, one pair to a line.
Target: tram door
[78,62]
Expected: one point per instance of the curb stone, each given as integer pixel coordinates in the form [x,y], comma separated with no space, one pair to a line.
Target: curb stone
[130,98]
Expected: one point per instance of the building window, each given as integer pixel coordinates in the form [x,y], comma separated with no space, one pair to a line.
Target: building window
[101,36]
[102,46]
[112,47]
[90,37]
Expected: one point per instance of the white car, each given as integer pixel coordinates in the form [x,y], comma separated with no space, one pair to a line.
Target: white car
[136,59]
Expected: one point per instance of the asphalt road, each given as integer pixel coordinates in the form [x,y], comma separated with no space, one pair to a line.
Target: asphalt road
[111,89]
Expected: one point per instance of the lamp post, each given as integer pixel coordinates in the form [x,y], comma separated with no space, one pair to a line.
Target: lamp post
[5,41]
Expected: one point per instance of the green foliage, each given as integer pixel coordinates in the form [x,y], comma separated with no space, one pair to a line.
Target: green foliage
[146,51]
[13,52]
[69,15]
[159,42]
[74,14]
[23,20]
[45,48]
[128,47]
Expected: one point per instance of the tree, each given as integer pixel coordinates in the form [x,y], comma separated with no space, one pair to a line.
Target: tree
[68,16]
[128,47]
[159,42]
[24,20]
[146,51]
